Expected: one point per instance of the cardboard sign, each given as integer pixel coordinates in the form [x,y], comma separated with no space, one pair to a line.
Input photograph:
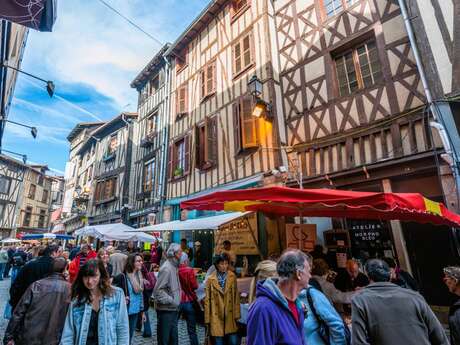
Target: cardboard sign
[238,233]
[301,236]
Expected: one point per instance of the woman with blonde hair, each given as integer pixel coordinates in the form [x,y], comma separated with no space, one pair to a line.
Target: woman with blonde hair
[265,269]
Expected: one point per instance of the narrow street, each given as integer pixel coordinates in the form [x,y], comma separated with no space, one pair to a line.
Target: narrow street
[138,339]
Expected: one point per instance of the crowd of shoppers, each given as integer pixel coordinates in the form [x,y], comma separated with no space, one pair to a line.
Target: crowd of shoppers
[104,297]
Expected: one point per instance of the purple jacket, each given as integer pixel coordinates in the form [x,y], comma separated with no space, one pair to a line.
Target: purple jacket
[270,322]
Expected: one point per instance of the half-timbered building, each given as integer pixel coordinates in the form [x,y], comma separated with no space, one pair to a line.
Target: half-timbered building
[11,190]
[150,141]
[109,200]
[356,118]
[215,141]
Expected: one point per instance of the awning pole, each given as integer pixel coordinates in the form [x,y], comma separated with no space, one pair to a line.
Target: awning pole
[253,237]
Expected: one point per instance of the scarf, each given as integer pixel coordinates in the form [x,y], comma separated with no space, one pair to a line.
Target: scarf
[136,280]
[222,279]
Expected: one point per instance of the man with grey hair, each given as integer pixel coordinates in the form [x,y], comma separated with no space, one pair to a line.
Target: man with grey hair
[384,313]
[452,281]
[277,317]
[167,297]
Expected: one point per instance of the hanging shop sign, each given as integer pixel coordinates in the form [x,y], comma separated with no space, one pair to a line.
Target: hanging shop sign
[242,233]
[301,236]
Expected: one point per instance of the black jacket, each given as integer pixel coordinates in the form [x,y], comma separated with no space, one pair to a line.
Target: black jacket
[32,271]
[454,323]
[344,283]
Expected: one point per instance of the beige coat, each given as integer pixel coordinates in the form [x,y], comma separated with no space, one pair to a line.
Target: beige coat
[222,308]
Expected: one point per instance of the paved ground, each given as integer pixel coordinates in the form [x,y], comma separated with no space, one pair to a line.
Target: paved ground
[138,339]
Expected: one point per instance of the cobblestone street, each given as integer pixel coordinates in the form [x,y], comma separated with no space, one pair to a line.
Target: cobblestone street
[138,339]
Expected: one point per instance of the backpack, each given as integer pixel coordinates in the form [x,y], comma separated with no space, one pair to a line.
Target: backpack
[323,327]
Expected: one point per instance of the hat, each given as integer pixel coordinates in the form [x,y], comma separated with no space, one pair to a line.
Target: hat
[197,243]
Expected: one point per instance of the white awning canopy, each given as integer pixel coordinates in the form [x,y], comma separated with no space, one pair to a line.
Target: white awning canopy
[114,232]
[205,223]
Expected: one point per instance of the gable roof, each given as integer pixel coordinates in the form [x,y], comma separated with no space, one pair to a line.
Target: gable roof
[81,126]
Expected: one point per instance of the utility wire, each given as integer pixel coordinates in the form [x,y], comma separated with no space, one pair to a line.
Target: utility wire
[131,22]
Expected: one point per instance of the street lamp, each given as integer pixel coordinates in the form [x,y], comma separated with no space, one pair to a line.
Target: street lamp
[33,130]
[49,84]
[261,108]
[255,86]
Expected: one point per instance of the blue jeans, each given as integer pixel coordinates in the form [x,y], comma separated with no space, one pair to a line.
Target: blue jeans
[132,324]
[228,339]
[147,327]
[188,312]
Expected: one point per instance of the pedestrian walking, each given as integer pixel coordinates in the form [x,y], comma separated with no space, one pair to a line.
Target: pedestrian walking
[39,317]
[188,302]
[222,303]
[18,260]
[149,285]
[104,256]
[3,261]
[97,314]
[322,325]
[452,280]
[265,269]
[10,252]
[132,283]
[118,262]
[277,316]
[166,295]
[32,271]
[156,253]
[85,254]
[386,314]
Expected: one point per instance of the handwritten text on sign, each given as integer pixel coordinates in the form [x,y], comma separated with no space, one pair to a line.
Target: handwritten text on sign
[238,233]
[301,236]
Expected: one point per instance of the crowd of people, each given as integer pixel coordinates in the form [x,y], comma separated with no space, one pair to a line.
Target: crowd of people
[77,296]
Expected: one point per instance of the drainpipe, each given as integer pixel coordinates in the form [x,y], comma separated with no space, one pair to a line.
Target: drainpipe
[453,159]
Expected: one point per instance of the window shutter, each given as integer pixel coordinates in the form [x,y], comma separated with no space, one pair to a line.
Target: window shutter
[187,143]
[249,133]
[210,78]
[237,58]
[185,99]
[211,139]
[237,127]
[197,147]
[170,159]
[203,83]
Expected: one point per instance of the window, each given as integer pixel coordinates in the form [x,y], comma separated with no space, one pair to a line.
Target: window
[154,85]
[149,176]
[45,196]
[113,142]
[208,79]
[179,157]
[181,99]
[41,219]
[105,190]
[239,6]
[206,144]
[5,183]
[181,60]
[2,210]
[333,7]
[243,54]
[358,68]
[32,190]
[246,126]
[90,173]
[40,180]
[27,216]
[152,121]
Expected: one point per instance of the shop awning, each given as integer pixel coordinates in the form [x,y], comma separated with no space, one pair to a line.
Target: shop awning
[35,14]
[285,201]
[114,232]
[205,223]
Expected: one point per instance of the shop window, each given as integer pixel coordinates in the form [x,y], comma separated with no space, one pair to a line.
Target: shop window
[358,68]
[179,158]
[206,144]
[208,79]
[333,7]
[149,176]
[5,183]
[246,126]
[181,100]
[27,216]
[243,54]
[32,190]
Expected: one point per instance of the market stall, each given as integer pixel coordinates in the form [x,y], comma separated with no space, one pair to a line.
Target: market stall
[114,232]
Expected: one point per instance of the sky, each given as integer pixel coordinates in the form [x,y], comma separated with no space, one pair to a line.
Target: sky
[92,56]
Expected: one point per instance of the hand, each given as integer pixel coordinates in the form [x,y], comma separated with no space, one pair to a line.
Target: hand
[144,318]
[127,299]
[11,342]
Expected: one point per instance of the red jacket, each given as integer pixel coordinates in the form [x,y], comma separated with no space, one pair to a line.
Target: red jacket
[74,266]
[188,284]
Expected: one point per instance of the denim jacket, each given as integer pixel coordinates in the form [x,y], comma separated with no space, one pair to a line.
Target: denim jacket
[112,322]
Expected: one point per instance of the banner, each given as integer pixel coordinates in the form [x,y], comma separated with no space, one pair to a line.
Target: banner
[35,14]
[301,236]
[238,232]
